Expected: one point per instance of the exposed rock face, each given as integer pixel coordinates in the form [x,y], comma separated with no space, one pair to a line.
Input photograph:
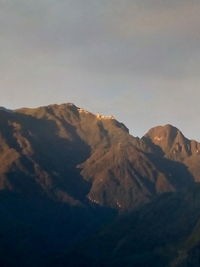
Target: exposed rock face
[175,146]
[75,156]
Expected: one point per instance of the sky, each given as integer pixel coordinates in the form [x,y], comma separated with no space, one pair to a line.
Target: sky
[138,60]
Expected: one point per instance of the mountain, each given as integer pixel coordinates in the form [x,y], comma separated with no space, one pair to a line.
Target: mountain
[175,146]
[162,233]
[66,172]
[75,156]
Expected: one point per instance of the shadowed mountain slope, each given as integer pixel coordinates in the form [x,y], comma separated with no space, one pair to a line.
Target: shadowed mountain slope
[163,233]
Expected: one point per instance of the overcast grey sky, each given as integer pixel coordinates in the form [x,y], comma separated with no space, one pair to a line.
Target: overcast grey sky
[138,60]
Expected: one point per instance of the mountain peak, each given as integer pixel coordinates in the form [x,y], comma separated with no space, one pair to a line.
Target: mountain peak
[166,133]
[172,142]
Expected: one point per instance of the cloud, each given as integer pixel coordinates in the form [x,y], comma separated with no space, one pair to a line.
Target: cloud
[138,60]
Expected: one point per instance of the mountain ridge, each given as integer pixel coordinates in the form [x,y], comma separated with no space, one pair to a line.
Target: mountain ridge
[71,180]
[105,144]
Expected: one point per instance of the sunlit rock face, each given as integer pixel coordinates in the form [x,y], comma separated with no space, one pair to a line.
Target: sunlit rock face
[175,146]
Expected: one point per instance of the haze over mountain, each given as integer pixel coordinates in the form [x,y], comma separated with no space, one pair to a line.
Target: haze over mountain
[65,172]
